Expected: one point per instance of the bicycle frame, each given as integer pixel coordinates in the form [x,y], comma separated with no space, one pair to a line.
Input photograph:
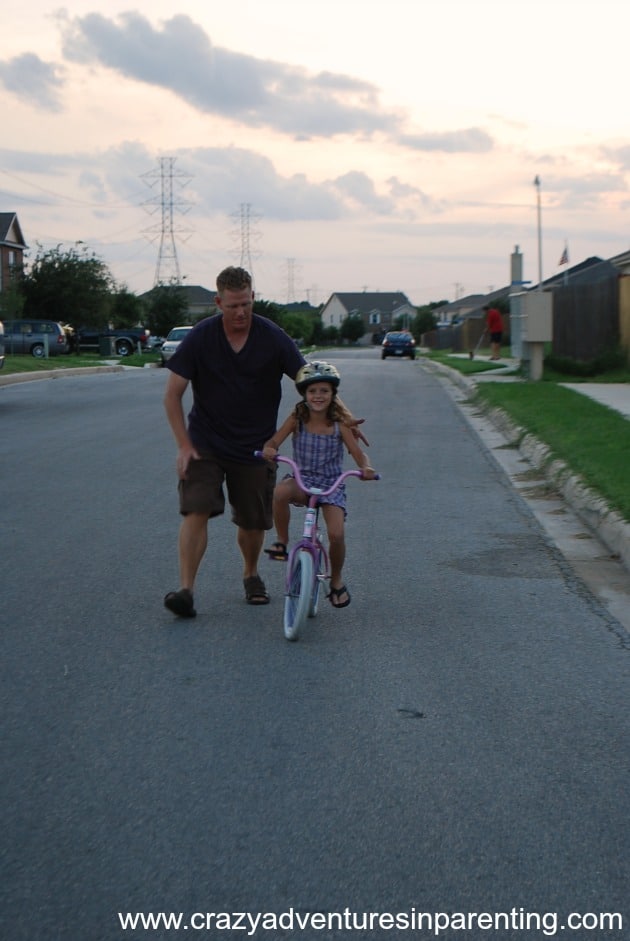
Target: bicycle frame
[311,538]
[305,575]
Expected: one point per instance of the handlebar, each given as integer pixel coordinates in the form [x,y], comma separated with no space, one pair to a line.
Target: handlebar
[320,493]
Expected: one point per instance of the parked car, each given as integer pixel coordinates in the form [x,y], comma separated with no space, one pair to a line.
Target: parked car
[1,344]
[120,341]
[398,343]
[172,341]
[35,337]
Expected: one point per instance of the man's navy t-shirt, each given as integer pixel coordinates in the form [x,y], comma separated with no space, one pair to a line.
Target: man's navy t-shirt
[235,395]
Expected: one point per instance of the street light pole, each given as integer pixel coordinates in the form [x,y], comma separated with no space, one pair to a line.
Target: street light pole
[540,278]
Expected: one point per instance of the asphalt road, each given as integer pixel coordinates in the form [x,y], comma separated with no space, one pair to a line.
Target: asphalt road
[455,741]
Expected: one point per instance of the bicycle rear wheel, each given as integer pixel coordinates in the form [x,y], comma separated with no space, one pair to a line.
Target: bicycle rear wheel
[320,570]
[298,594]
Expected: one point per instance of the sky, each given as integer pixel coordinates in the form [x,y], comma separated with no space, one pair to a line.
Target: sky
[336,145]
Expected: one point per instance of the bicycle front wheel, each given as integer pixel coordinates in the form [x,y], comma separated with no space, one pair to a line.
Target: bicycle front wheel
[298,594]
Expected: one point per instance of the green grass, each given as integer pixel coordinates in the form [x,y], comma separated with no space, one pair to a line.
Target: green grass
[23,364]
[592,439]
[464,365]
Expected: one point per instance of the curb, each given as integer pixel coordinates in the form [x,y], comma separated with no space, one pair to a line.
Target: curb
[609,526]
[16,377]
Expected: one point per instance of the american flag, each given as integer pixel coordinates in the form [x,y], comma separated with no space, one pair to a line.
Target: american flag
[564,258]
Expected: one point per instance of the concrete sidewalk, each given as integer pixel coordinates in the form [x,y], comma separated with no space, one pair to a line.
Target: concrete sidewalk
[615,394]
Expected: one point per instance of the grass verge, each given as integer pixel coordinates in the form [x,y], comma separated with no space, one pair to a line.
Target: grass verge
[463,364]
[593,440]
[24,364]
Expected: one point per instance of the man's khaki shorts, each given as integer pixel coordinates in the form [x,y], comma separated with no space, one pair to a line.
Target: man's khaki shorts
[249,490]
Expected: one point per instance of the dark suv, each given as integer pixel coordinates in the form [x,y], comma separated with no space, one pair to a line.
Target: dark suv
[398,343]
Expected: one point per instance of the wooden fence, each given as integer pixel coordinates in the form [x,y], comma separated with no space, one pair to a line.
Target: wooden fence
[586,319]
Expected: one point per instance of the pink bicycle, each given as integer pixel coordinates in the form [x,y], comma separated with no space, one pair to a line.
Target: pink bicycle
[308,565]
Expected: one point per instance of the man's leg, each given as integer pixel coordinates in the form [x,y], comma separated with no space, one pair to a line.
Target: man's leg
[193,541]
[250,542]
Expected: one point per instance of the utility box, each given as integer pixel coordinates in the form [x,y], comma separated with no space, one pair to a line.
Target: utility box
[106,346]
[537,316]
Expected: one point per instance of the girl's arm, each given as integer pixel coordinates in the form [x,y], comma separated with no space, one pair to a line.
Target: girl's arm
[361,459]
[271,447]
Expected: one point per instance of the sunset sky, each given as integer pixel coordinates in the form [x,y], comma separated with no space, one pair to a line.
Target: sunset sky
[371,145]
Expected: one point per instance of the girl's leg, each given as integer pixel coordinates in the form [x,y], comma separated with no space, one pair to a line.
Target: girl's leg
[334,518]
[286,492]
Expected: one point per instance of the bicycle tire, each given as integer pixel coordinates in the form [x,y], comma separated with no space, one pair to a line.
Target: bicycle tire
[298,594]
[320,569]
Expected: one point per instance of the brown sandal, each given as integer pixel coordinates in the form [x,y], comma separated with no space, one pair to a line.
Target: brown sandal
[255,591]
[278,552]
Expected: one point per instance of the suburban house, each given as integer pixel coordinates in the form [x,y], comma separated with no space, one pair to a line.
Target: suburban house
[199,300]
[12,248]
[379,310]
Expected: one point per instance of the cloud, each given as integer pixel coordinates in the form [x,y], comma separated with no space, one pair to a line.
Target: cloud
[360,190]
[583,192]
[618,155]
[33,80]
[256,92]
[179,56]
[469,140]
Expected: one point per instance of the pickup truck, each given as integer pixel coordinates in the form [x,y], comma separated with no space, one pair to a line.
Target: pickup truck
[125,339]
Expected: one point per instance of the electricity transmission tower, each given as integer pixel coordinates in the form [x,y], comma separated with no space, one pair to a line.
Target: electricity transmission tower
[246,235]
[291,267]
[167,267]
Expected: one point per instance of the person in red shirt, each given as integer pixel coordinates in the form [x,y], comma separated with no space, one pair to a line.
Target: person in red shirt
[494,325]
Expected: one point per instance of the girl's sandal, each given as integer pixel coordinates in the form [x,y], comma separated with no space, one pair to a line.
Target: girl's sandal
[278,552]
[337,593]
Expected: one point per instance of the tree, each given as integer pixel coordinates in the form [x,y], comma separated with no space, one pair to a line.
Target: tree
[352,328]
[127,309]
[425,319]
[268,309]
[166,306]
[68,285]
[11,301]
[319,330]
[330,335]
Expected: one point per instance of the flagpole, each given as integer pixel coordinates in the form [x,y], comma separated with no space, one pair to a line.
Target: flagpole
[537,185]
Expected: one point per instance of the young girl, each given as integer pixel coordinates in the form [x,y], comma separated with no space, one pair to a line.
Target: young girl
[319,437]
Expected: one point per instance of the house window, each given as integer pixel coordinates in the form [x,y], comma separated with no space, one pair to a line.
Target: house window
[375,317]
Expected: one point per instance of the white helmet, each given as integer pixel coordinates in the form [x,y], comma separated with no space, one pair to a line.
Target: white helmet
[316,372]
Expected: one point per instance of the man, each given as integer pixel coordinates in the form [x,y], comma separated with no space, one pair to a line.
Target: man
[235,363]
[494,326]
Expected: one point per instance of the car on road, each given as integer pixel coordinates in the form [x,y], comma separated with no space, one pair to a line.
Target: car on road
[398,343]
[34,336]
[1,344]
[174,338]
